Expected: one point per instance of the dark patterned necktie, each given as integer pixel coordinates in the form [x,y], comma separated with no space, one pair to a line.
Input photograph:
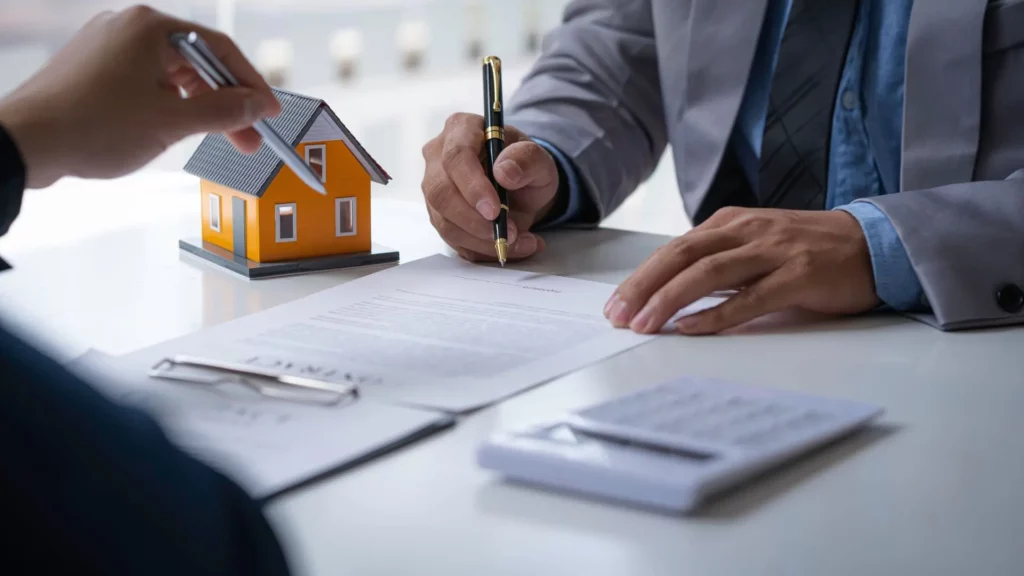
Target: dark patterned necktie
[793,165]
[794,154]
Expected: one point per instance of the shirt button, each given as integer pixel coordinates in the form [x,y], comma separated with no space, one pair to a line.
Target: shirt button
[849,100]
[1010,298]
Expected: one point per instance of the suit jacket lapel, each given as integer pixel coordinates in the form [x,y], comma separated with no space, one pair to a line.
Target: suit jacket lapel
[942,109]
[721,39]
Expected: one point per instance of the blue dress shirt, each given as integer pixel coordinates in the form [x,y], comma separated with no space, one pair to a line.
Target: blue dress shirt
[867,127]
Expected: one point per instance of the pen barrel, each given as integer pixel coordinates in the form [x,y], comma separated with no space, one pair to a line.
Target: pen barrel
[494,148]
[494,137]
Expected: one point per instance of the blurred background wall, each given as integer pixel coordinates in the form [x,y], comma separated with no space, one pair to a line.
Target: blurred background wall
[393,70]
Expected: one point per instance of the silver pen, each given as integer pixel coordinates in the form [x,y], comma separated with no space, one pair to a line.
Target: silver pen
[217,75]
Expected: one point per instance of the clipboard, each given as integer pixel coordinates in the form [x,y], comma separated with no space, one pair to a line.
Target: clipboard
[271,433]
[218,375]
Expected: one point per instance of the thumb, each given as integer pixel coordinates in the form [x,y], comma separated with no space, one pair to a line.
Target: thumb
[526,165]
[225,110]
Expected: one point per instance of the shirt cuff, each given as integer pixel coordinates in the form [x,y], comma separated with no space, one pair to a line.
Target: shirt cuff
[574,208]
[896,283]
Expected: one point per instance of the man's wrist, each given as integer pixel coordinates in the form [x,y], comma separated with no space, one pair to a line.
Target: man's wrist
[568,204]
[559,203]
[896,282]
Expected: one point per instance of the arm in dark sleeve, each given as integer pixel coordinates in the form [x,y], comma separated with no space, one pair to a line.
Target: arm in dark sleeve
[12,181]
[91,487]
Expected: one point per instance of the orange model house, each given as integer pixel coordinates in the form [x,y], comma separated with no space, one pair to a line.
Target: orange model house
[260,219]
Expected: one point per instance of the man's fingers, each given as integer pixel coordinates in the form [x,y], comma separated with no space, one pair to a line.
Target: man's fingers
[520,245]
[456,237]
[247,140]
[442,196]
[226,51]
[773,293]
[225,110]
[185,78]
[528,245]
[720,271]
[460,158]
[525,164]
[662,266]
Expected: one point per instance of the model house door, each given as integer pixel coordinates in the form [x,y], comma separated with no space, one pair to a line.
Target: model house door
[238,225]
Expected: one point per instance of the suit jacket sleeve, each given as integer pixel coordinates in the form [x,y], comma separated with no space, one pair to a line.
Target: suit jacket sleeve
[91,487]
[595,95]
[966,243]
[12,181]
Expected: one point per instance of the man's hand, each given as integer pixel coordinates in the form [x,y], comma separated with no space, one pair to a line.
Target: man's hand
[111,100]
[776,259]
[461,201]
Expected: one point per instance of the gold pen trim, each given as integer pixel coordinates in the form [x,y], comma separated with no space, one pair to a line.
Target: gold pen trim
[494,133]
[501,247]
[505,207]
[495,63]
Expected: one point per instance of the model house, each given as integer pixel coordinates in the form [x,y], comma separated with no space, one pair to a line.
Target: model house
[254,207]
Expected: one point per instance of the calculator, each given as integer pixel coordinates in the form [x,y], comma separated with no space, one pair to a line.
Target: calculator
[672,445]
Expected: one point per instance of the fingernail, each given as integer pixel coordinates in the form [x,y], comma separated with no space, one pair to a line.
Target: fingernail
[253,108]
[619,314]
[608,305]
[640,321]
[525,246]
[513,232]
[687,324]
[510,171]
[487,209]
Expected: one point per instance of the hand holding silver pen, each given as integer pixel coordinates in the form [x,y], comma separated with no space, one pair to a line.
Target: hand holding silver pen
[110,100]
[217,76]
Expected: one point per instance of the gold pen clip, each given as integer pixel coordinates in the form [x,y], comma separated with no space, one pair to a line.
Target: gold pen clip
[495,63]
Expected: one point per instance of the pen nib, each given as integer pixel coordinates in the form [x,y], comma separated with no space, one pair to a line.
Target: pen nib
[501,247]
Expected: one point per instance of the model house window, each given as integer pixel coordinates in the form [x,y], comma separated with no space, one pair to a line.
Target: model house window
[214,212]
[315,157]
[285,222]
[345,216]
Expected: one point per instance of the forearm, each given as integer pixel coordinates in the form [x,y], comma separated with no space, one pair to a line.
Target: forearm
[595,95]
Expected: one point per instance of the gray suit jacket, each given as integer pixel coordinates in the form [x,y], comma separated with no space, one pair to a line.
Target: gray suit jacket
[621,79]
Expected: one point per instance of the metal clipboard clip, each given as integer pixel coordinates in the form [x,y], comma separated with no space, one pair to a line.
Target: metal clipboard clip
[217,374]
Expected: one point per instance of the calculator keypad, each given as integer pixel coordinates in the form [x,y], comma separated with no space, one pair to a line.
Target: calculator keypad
[725,418]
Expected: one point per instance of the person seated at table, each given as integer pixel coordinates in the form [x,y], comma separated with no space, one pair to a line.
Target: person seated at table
[835,156]
[90,487]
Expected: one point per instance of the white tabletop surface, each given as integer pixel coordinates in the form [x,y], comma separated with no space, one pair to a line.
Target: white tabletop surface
[936,488]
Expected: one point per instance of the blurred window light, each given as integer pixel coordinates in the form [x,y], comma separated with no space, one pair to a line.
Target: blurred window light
[346,48]
[532,25]
[413,38]
[475,26]
[274,59]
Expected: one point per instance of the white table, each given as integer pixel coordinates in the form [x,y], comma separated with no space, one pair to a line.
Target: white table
[937,488]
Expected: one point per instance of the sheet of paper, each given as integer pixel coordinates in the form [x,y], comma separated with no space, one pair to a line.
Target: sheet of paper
[437,332]
[267,446]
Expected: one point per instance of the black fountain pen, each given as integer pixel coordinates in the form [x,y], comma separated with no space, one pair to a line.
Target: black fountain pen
[494,139]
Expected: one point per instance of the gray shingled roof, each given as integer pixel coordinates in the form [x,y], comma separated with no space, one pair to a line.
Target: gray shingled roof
[218,161]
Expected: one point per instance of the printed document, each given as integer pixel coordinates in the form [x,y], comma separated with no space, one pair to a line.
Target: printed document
[438,332]
[265,445]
